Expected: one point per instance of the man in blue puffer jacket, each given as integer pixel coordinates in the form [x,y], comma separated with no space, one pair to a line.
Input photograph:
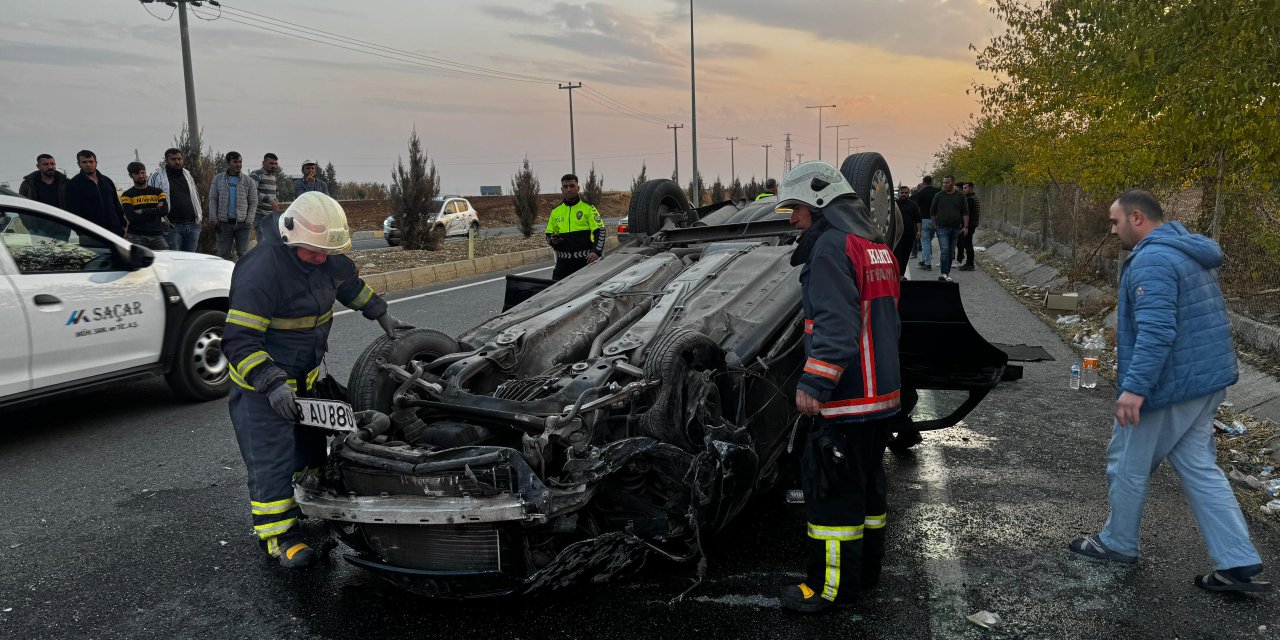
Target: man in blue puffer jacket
[1176,360]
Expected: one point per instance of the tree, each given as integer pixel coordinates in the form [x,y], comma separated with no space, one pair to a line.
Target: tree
[594,187]
[330,176]
[717,191]
[524,196]
[753,189]
[412,193]
[735,191]
[639,179]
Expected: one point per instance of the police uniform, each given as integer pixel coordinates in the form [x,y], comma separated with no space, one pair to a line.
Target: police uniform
[850,289]
[581,232]
[277,331]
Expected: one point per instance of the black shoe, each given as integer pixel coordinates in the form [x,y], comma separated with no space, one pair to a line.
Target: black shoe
[290,550]
[968,267]
[925,267]
[799,597]
[904,440]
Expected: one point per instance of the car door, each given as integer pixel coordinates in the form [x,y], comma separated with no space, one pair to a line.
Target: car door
[465,215]
[451,218]
[15,348]
[87,315]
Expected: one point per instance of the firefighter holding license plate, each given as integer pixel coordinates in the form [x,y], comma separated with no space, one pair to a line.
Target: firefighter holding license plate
[277,332]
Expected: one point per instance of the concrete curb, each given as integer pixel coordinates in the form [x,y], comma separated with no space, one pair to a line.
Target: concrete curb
[447,271]
[366,235]
[1254,393]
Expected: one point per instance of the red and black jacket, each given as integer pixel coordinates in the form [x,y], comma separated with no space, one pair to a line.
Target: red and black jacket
[850,297]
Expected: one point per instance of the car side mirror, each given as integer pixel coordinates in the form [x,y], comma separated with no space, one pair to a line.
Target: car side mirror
[140,257]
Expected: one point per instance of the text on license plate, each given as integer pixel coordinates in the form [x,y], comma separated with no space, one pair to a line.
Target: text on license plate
[326,414]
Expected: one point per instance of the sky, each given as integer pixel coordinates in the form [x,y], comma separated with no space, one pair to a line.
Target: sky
[107,75]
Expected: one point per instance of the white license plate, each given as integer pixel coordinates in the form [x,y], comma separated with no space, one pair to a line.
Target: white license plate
[331,415]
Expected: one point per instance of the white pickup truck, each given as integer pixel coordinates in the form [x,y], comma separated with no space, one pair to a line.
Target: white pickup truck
[82,307]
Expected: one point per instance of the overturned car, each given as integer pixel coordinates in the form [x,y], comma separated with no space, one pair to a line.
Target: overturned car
[633,408]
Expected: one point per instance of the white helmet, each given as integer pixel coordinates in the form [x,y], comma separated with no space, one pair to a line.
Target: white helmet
[315,221]
[812,183]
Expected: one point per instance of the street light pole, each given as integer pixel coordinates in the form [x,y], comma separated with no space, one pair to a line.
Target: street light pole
[675,143]
[733,173]
[766,161]
[693,107]
[820,107]
[837,127]
[573,156]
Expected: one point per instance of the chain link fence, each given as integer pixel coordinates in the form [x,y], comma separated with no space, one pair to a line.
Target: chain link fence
[1066,221]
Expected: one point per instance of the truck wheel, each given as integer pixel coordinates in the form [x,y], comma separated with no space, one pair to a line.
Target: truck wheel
[868,174]
[684,402]
[200,371]
[652,200]
[369,388]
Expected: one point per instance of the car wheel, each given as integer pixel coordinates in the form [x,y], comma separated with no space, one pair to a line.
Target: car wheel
[393,242]
[369,388]
[200,371]
[655,198]
[689,398]
[868,174]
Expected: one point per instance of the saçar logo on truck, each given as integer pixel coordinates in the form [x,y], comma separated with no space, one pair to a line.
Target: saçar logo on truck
[111,312]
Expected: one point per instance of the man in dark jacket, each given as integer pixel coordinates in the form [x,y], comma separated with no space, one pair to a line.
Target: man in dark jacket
[277,333]
[92,196]
[924,201]
[46,184]
[1175,362]
[910,229]
[964,248]
[145,208]
[950,213]
[850,385]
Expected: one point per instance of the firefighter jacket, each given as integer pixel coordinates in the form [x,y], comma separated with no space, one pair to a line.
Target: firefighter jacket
[280,313]
[850,298]
[579,227]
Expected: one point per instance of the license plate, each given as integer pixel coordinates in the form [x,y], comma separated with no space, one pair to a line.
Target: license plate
[330,415]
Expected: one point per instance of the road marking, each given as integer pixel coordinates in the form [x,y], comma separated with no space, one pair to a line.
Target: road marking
[461,286]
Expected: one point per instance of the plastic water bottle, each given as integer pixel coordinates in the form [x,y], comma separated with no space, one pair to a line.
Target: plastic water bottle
[1075,375]
[1089,367]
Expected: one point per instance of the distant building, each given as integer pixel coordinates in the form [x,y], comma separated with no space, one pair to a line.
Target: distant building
[491,191]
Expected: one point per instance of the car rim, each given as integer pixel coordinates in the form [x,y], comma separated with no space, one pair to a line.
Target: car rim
[880,200]
[210,364]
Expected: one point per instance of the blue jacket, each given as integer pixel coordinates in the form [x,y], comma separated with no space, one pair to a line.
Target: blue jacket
[850,296]
[1172,335]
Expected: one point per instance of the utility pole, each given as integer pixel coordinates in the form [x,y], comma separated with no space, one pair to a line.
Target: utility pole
[837,127]
[733,173]
[766,161]
[801,158]
[787,153]
[675,143]
[193,126]
[820,107]
[573,155]
[693,104]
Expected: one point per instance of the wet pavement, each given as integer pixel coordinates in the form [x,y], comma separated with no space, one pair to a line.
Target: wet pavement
[126,518]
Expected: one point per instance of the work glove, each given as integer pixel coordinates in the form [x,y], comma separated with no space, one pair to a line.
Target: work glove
[283,401]
[390,325]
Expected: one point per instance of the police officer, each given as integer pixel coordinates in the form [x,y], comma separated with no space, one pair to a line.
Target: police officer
[574,231]
[276,335]
[770,189]
[850,384]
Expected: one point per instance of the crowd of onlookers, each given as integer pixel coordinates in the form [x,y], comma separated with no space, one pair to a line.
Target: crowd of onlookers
[950,214]
[162,210]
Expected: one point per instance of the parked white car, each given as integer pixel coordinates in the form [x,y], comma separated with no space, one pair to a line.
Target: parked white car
[451,214]
[82,308]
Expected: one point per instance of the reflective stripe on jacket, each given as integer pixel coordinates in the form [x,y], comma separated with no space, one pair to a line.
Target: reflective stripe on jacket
[850,296]
[277,328]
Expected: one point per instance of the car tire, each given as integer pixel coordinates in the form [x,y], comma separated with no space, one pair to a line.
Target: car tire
[653,199]
[393,242]
[675,357]
[200,370]
[868,174]
[370,389]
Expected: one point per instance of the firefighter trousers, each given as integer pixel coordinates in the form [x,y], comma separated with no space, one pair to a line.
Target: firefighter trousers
[274,450]
[845,497]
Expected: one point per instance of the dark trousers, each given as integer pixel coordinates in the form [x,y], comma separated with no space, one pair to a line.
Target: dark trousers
[964,247]
[229,232]
[566,267]
[156,243]
[903,250]
[846,503]
[274,449]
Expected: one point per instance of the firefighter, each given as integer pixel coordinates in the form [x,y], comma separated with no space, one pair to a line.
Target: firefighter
[574,231]
[850,383]
[276,335]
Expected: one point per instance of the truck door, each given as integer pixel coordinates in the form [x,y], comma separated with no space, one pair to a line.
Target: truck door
[86,314]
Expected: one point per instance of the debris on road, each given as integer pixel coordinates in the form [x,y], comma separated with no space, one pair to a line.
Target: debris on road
[985,619]
[1067,321]
[1249,453]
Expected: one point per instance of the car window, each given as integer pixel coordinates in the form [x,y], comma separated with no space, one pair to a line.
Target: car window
[44,244]
[463,206]
[452,207]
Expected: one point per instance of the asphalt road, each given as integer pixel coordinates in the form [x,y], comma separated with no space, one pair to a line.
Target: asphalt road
[485,232]
[126,517]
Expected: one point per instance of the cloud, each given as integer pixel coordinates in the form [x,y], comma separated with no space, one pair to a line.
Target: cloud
[55,55]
